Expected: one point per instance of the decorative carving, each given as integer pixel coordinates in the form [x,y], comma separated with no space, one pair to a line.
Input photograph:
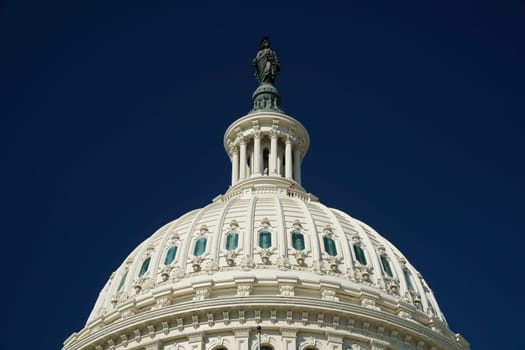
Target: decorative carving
[151,331]
[289,317]
[404,314]
[195,321]
[211,320]
[244,290]
[226,317]
[265,223]
[351,324]
[299,257]
[334,262]
[287,290]
[408,339]
[430,312]
[258,317]
[201,294]
[124,339]
[265,255]
[196,263]
[273,316]
[126,313]
[392,285]
[111,344]
[363,272]
[329,294]
[230,257]
[328,230]
[137,284]
[366,326]
[242,317]
[335,321]
[369,303]
[180,324]
[138,335]
[320,319]
[165,273]
[304,318]
[162,301]
[165,327]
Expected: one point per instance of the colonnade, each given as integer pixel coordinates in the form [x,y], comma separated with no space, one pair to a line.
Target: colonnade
[266,154]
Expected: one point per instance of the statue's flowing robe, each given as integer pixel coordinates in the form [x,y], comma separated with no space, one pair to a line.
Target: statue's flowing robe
[266,65]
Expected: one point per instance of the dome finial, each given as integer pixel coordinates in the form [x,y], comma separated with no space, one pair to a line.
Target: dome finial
[266,63]
[266,96]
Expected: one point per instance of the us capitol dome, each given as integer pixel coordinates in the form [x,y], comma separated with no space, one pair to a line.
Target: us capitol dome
[266,265]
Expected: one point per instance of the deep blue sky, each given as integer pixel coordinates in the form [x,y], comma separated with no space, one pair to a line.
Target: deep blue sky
[113,116]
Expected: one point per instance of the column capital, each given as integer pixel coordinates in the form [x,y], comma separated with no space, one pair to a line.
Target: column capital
[233,149]
[240,139]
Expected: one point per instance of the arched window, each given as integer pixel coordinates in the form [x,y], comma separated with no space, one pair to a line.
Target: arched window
[266,347]
[170,255]
[406,273]
[232,241]
[265,239]
[122,280]
[200,246]
[297,240]
[329,246]
[359,254]
[144,267]
[386,266]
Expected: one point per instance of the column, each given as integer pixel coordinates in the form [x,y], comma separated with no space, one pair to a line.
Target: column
[242,159]
[288,159]
[235,165]
[297,164]
[257,153]
[273,154]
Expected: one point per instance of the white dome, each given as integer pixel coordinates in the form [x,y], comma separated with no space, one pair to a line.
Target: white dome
[388,280]
[266,254]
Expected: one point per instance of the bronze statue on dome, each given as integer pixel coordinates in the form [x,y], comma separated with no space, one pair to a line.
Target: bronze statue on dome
[266,63]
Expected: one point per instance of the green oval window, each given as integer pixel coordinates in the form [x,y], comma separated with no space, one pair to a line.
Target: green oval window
[170,255]
[329,246]
[232,241]
[359,254]
[144,267]
[297,241]
[265,239]
[200,246]
[122,280]
[406,273]
[386,266]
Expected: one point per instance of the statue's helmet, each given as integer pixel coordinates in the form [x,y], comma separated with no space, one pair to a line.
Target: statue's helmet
[264,43]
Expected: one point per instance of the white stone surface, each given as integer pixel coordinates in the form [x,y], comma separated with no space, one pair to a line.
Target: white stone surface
[302,299]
